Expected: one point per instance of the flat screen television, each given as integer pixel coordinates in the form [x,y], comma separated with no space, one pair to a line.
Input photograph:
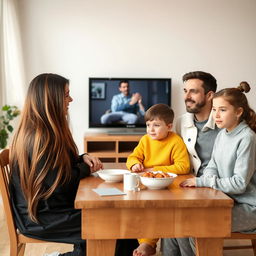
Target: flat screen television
[104,111]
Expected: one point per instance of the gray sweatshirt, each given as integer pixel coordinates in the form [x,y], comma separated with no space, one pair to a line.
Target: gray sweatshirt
[232,165]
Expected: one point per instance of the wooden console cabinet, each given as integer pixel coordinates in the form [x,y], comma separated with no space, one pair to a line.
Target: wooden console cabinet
[110,148]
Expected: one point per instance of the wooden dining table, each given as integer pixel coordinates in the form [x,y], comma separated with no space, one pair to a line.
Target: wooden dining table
[202,213]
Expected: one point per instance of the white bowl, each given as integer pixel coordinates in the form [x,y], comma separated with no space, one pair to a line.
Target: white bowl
[112,175]
[158,183]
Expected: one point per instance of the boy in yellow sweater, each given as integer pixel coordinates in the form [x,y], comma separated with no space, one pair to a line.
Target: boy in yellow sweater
[159,150]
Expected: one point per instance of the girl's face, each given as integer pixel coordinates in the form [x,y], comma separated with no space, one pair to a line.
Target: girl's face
[225,114]
[157,129]
[67,99]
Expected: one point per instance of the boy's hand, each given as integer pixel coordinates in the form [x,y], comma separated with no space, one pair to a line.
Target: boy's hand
[148,170]
[189,182]
[137,168]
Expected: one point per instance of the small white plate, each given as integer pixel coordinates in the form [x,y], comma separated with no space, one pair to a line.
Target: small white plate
[112,175]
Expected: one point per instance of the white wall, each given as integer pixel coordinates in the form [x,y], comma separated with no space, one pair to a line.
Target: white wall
[138,38]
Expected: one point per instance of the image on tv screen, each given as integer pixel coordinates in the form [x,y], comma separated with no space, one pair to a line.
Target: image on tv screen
[122,102]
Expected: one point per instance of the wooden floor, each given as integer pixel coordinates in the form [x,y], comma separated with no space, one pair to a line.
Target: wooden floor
[40,249]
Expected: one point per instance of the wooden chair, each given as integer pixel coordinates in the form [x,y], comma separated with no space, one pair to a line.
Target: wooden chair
[17,241]
[241,236]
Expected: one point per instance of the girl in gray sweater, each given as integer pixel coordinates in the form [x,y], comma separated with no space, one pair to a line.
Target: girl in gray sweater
[233,162]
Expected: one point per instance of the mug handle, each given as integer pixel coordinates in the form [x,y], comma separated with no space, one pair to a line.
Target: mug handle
[138,181]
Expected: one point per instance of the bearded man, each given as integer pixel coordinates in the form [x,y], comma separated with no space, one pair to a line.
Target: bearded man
[198,130]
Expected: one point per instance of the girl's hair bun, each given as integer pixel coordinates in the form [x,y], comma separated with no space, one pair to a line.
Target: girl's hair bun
[244,87]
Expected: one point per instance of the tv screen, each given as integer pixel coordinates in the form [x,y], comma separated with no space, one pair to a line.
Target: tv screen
[122,102]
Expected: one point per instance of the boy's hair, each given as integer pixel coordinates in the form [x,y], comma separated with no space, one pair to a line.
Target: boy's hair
[160,111]
[209,81]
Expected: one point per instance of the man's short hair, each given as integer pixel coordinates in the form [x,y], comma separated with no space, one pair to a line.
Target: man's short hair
[209,81]
[123,81]
[160,111]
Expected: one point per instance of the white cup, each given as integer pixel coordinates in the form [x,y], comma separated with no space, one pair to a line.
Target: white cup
[131,181]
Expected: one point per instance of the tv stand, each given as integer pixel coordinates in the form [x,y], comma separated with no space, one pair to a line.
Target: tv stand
[110,148]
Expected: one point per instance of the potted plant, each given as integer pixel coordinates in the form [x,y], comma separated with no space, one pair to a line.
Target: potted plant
[7,115]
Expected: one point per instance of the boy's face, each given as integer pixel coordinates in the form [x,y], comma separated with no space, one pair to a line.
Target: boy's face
[157,129]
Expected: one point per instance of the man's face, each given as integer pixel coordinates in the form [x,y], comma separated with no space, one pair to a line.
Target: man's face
[194,95]
[124,88]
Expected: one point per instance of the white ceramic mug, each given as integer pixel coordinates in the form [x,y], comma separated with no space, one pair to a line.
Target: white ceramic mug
[131,181]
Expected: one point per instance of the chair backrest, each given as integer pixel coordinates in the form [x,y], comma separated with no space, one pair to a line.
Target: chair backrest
[4,187]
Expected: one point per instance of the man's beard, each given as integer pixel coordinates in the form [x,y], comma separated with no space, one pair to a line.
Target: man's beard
[197,108]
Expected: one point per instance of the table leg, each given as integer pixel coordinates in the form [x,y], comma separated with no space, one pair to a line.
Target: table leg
[209,246]
[100,247]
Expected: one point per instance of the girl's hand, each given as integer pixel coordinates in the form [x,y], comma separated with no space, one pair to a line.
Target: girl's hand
[189,182]
[94,162]
[137,168]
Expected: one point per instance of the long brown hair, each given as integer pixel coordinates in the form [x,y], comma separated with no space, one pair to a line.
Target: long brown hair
[237,98]
[43,140]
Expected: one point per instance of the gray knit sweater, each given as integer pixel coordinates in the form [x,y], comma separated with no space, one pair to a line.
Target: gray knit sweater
[232,165]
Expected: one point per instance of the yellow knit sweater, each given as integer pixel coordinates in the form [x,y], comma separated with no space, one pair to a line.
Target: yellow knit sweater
[167,155]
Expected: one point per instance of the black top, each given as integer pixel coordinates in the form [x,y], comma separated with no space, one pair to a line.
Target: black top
[58,220]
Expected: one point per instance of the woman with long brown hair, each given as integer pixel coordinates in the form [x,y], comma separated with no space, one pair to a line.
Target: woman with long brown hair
[45,166]
[46,169]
